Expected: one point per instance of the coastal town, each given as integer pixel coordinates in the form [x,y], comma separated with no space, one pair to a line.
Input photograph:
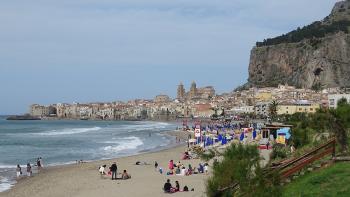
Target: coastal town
[199,102]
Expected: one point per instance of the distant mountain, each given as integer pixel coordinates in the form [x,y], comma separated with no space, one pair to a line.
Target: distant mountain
[314,56]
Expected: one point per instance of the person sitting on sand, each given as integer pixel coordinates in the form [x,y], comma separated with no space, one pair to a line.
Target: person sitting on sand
[168,188]
[179,164]
[183,171]
[177,186]
[186,155]
[101,170]
[177,171]
[171,165]
[190,170]
[125,175]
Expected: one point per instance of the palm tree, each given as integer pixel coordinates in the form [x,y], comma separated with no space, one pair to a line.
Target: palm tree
[273,108]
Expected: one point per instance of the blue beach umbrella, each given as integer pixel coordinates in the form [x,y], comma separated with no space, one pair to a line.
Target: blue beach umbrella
[254,134]
[241,137]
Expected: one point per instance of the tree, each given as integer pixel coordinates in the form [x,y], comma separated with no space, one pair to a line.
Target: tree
[240,168]
[273,108]
[336,121]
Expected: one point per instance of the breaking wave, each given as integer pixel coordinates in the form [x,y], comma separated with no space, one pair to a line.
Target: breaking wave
[127,143]
[69,131]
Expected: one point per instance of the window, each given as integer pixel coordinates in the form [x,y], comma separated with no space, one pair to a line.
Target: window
[331,101]
[311,109]
[300,109]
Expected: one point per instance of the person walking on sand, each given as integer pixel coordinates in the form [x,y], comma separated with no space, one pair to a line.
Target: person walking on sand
[29,170]
[18,170]
[41,162]
[114,170]
[38,163]
[155,165]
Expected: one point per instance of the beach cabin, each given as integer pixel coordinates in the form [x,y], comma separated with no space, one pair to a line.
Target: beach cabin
[276,132]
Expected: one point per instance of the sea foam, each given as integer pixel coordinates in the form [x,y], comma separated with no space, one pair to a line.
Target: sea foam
[127,143]
[5,184]
[69,131]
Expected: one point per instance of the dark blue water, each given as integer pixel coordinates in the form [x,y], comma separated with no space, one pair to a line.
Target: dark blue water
[60,142]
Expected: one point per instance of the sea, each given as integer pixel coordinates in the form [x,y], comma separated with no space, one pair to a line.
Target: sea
[61,142]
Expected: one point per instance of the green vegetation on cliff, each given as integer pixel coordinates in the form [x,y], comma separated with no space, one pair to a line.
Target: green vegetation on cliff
[315,30]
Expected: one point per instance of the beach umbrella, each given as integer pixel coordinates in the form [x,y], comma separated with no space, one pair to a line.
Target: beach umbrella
[241,137]
[254,134]
[220,137]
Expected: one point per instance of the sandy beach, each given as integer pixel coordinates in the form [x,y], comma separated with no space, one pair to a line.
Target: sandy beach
[83,180]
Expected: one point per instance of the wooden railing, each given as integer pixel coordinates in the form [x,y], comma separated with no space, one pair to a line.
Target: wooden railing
[289,167]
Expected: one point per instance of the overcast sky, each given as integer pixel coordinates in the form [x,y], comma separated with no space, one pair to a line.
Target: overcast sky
[105,50]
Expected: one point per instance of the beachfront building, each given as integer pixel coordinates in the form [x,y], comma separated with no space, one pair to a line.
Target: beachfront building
[334,98]
[301,106]
[262,109]
[42,111]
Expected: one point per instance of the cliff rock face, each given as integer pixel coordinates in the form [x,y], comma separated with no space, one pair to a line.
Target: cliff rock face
[324,60]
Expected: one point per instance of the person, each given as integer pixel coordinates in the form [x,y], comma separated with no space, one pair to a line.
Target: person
[125,175]
[171,165]
[177,186]
[160,170]
[29,170]
[185,188]
[38,164]
[167,187]
[18,170]
[183,171]
[41,162]
[155,165]
[179,164]
[114,170]
[200,168]
[206,168]
[102,170]
[190,170]
[177,171]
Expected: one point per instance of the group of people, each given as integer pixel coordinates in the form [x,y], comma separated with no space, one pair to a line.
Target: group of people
[180,169]
[39,164]
[168,188]
[113,172]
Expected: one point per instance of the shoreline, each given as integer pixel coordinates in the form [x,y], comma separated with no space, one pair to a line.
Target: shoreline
[27,186]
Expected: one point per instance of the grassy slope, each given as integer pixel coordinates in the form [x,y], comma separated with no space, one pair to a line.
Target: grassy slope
[332,181]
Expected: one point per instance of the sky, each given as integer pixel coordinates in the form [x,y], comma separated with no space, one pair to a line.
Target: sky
[54,51]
